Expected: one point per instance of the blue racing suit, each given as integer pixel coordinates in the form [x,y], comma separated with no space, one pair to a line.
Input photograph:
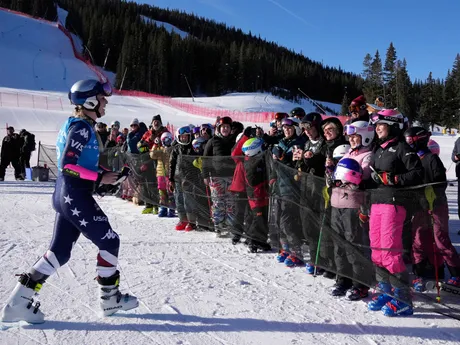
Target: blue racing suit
[77,212]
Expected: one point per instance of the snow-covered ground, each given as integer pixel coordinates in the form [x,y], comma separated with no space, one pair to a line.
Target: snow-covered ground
[193,288]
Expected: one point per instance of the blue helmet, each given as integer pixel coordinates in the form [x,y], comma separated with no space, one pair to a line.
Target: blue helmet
[84,93]
[348,171]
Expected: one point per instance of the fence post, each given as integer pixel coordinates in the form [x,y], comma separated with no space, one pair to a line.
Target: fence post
[38,155]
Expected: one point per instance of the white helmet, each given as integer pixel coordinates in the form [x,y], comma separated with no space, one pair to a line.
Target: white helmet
[340,151]
[253,147]
[391,117]
[166,139]
[361,128]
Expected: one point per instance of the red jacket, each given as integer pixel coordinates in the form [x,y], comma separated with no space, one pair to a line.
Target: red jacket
[238,184]
[150,135]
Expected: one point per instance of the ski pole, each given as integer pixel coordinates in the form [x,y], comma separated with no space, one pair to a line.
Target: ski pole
[430,197]
[326,197]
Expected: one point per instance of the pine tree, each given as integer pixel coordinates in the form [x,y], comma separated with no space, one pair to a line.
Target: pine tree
[389,77]
[345,104]
[373,85]
[431,101]
[451,116]
[403,89]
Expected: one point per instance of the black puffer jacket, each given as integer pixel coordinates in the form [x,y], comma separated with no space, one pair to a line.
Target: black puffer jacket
[219,146]
[397,158]
[315,164]
[176,168]
[434,171]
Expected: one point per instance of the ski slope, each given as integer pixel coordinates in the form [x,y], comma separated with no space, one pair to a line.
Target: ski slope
[193,288]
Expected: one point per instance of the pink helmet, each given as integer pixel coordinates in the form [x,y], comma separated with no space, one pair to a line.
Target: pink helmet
[434,147]
[391,117]
[348,171]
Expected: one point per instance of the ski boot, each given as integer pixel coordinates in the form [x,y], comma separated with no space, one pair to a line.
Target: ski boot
[20,306]
[181,225]
[171,213]
[147,210]
[396,307]
[236,239]
[340,287]
[155,210]
[357,293]
[112,300]
[380,300]
[282,256]
[293,261]
[311,269]
[452,285]
[163,212]
[329,274]
[257,246]
[190,227]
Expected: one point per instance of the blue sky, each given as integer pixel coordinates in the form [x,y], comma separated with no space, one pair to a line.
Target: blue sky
[341,32]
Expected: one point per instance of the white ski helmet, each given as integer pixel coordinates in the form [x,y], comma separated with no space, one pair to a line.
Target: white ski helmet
[166,139]
[361,128]
[184,131]
[253,146]
[84,93]
[340,151]
[391,117]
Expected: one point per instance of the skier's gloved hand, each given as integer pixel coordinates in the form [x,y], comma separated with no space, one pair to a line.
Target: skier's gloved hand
[376,177]
[389,179]
[363,218]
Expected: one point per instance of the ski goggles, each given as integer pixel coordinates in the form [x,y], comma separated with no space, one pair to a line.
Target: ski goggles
[105,89]
[184,130]
[377,117]
[413,139]
[289,122]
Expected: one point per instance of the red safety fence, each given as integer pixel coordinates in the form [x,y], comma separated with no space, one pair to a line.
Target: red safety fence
[25,100]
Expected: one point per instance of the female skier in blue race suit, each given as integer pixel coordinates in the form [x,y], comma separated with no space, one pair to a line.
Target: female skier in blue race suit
[78,147]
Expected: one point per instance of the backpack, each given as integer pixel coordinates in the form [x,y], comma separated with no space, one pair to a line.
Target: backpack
[31,146]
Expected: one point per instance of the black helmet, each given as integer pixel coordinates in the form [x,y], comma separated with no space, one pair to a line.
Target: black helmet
[298,112]
[311,119]
[417,137]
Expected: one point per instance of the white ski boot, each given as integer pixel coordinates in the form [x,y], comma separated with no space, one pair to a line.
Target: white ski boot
[112,300]
[20,306]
